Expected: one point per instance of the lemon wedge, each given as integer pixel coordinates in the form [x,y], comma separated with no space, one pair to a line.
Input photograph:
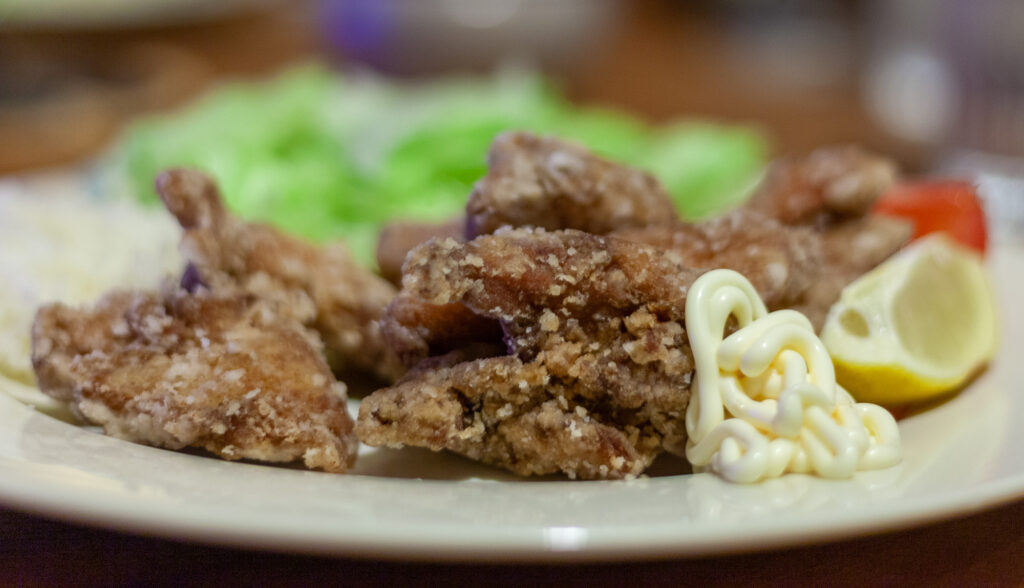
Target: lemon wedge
[917,326]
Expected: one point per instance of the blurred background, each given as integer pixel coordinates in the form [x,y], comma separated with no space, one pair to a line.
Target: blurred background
[937,84]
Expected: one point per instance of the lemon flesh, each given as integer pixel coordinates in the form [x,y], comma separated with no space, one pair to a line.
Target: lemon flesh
[917,326]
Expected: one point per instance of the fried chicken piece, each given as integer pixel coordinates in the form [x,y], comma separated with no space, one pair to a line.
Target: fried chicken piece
[524,188]
[235,375]
[850,249]
[416,329]
[858,245]
[398,238]
[823,187]
[504,412]
[832,190]
[224,250]
[550,183]
[781,262]
[597,378]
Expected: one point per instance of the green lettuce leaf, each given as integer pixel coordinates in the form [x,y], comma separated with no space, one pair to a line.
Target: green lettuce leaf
[327,156]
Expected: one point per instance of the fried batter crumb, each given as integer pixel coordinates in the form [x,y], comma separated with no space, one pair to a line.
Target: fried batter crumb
[223,250]
[595,379]
[831,191]
[823,187]
[554,184]
[781,262]
[232,374]
[399,237]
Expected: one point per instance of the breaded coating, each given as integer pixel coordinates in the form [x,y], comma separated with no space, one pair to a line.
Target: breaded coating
[519,191]
[825,186]
[416,329]
[224,250]
[781,262]
[516,274]
[850,249]
[596,378]
[234,375]
[546,182]
[858,245]
[832,190]
[398,238]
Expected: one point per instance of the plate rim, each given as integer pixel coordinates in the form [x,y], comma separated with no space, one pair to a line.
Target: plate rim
[518,544]
[525,543]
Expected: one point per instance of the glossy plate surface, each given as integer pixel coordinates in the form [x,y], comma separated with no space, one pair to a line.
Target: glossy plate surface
[960,456]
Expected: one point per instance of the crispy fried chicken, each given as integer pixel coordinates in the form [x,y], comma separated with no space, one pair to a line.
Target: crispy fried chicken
[781,262]
[550,183]
[832,190]
[223,250]
[398,238]
[596,375]
[233,374]
[823,187]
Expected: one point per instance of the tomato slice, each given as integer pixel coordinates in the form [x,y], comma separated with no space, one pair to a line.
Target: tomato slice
[952,206]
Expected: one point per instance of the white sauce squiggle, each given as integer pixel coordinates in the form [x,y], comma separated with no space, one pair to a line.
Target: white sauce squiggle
[765,398]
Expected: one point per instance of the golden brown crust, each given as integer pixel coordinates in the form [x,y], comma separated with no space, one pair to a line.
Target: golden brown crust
[598,377]
[831,190]
[781,262]
[520,273]
[554,184]
[223,250]
[850,249]
[519,416]
[232,374]
[826,185]
[416,329]
[398,238]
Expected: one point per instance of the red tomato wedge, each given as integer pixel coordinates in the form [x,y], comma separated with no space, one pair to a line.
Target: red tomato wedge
[938,205]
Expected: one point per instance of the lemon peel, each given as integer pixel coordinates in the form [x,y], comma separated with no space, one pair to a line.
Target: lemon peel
[918,326]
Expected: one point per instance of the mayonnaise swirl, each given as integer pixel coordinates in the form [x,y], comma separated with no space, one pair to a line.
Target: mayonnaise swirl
[765,398]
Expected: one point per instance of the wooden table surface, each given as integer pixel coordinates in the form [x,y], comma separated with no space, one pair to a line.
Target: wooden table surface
[982,549]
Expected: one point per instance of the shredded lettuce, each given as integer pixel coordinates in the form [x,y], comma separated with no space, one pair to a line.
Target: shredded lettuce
[329,156]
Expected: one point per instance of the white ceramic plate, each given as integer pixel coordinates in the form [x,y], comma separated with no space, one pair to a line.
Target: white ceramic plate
[959,457]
